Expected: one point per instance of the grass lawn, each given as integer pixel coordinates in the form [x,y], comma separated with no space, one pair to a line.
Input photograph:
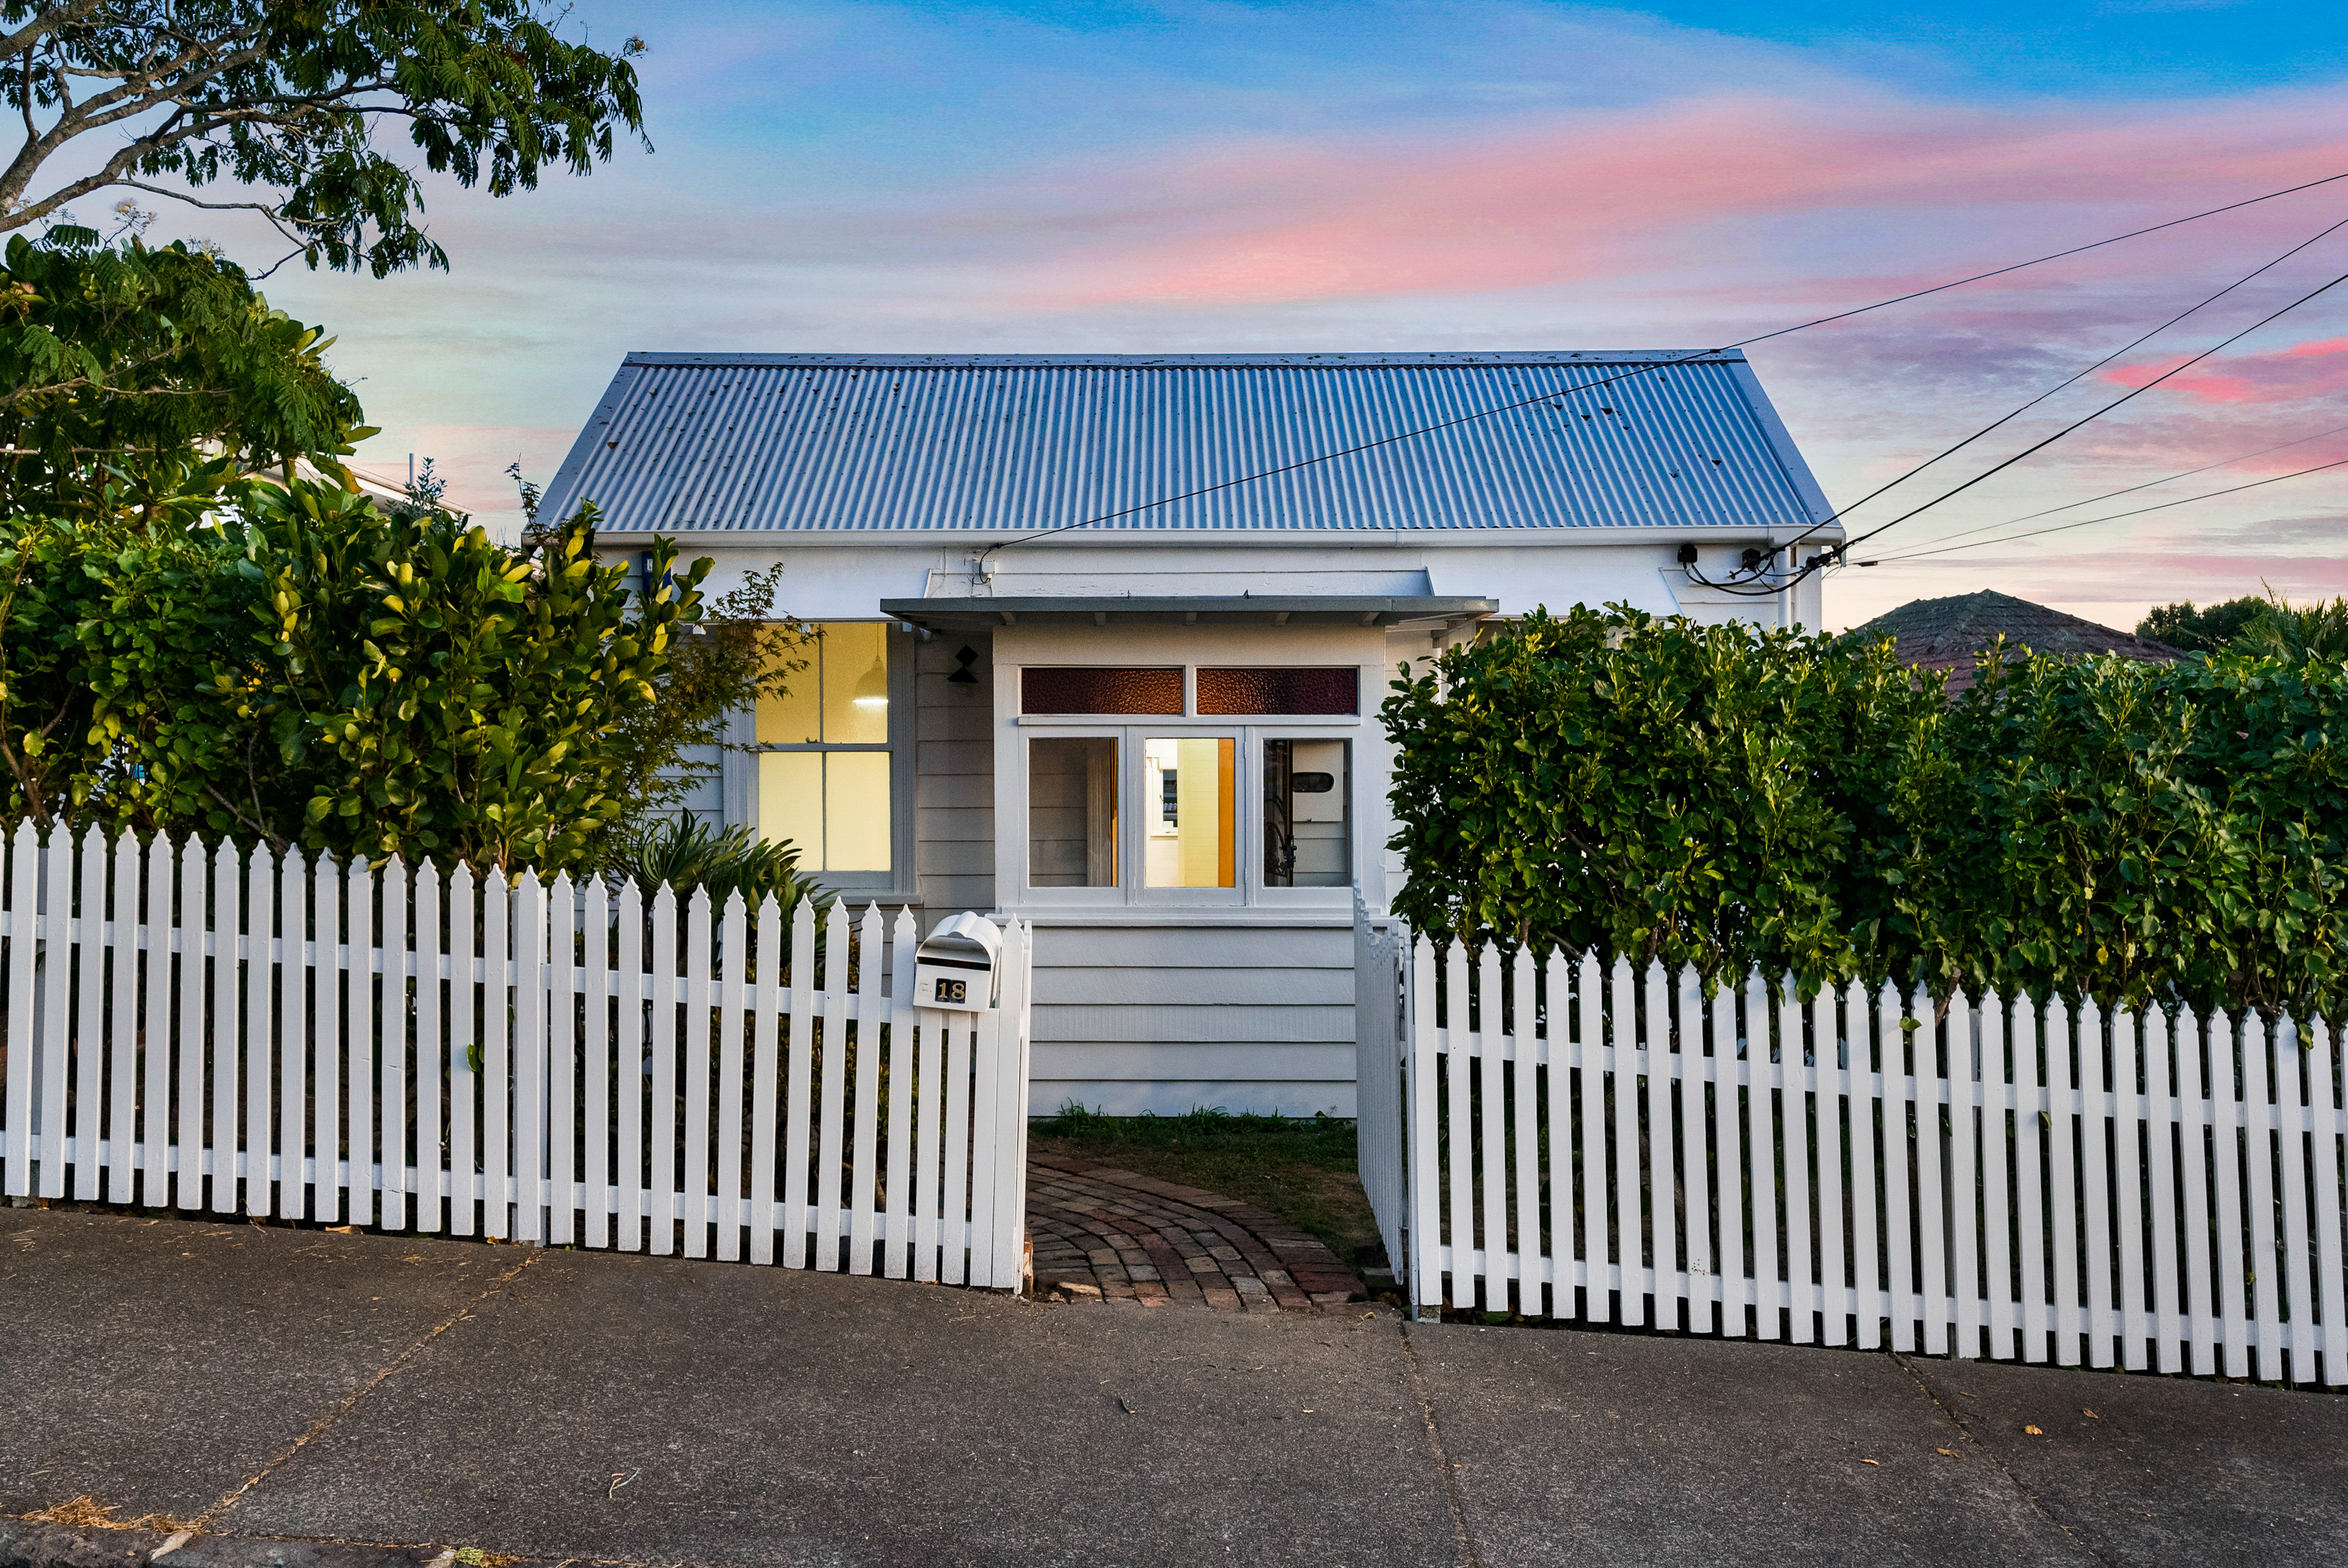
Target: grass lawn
[1302,1169]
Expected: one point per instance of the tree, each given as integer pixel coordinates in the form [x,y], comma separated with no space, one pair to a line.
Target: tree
[2191,630]
[285,98]
[114,356]
[282,663]
[2295,634]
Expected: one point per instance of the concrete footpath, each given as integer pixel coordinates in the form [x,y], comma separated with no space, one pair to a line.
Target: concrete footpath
[300,1397]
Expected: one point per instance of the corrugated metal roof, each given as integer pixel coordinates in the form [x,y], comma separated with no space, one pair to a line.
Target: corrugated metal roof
[1017,443]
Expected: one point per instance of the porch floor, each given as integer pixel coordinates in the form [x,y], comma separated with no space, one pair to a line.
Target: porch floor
[1105,1234]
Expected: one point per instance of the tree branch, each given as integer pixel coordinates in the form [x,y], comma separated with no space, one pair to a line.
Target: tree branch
[22,40]
[274,211]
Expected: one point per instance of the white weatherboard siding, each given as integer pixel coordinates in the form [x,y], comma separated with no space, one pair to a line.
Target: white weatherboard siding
[1166,1017]
[832,579]
[954,777]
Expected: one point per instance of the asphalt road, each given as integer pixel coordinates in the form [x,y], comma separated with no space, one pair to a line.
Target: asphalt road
[302,1396]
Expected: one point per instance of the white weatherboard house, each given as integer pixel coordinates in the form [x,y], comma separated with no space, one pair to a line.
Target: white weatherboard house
[1153,734]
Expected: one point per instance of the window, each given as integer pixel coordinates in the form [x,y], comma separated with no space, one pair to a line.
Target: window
[1085,690]
[1193,786]
[825,774]
[1192,838]
[1072,811]
[1280,691]
[1308,840]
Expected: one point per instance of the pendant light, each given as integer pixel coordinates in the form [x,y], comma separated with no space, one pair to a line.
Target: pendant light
[872,686]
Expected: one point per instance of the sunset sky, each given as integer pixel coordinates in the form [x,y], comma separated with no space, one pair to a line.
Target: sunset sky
[1189,178]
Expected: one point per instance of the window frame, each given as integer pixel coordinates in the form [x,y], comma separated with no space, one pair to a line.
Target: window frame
[1132,731]
[1113,897]
[898,881]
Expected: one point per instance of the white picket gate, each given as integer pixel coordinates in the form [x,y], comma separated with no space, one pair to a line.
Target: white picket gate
[1994,1179]
[202,1029]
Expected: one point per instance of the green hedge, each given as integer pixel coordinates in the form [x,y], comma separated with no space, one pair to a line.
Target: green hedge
[1728,796]
[284,664]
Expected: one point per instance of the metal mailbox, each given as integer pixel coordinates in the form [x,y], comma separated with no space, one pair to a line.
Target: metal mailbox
[954,967]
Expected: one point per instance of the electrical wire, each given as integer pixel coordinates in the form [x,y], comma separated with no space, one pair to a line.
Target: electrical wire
[1663,365]
[1756,575]
[2099,413]
[2089,522]
[2074,376]
[2132,489]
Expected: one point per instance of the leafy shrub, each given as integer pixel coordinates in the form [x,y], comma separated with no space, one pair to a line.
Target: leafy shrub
[282,663]
[682,853]
[1728,796]
[1710,795]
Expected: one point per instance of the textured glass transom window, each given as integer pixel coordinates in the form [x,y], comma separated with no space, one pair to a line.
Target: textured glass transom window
[1087,689]
[1337,690]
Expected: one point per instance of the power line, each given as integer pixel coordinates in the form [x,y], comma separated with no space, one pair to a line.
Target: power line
[2098,413]
[1643,370]
[2132,489]
[2078,375]
[2138,512]
[1756,575]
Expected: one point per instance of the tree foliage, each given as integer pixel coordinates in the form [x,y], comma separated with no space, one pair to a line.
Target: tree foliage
[111,357]
[2297,633]
[286,98]
[1728,797]
[723,664]
[2204,630]
[283,663]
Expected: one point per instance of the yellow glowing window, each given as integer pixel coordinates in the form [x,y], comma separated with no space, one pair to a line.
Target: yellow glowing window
[827,790]
[841,698]
[1190,806]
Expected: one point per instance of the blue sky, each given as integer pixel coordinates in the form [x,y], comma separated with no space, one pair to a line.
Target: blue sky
[1219,176]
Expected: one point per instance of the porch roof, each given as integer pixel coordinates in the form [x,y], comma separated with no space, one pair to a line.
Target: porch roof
[1421,612]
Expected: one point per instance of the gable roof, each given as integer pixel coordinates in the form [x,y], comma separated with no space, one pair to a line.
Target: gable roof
[1945,634]
[987,444]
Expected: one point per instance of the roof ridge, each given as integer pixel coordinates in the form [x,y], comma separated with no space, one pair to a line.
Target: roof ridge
[1308,359]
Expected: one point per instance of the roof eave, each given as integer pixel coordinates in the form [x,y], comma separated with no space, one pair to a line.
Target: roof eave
[1426,612]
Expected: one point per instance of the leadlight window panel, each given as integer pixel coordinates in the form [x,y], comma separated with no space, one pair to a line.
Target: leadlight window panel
[1100,689]
[1280,691]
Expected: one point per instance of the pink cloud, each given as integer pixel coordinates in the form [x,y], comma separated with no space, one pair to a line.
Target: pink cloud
[2316,369]
[1671,185]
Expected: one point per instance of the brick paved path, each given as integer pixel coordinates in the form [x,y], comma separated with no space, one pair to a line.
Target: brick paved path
[1103,1233]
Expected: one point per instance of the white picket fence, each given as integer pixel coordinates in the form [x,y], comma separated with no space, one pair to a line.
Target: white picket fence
[1995,1179]
[201,1028]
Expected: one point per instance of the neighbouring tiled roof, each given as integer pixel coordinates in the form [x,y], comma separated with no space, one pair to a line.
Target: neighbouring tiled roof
[1945,634]
[1213,443]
